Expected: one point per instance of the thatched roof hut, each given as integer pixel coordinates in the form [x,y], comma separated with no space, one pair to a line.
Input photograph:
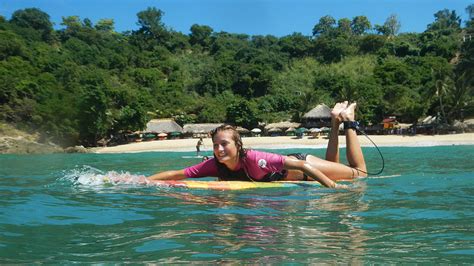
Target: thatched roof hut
[319,116]
[321,111]
[200,128]
[163,125]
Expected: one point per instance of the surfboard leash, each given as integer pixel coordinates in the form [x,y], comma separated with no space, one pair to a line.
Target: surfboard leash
[375,145]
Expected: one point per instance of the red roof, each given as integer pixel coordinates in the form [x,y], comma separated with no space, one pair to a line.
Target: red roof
[389,120]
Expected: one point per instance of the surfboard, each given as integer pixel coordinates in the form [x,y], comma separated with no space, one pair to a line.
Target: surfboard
[232,185]
[113,178]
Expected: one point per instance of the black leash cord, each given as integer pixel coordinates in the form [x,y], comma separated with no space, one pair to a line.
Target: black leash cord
[381,156]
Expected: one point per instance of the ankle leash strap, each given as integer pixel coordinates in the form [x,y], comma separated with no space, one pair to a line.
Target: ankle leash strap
[351,124]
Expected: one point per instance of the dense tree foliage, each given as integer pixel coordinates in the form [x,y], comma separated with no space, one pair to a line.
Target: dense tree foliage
[84,82]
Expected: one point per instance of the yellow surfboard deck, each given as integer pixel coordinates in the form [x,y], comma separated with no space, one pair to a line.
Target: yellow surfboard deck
[233,185]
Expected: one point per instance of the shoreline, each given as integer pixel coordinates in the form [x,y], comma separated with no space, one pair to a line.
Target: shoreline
[288,142]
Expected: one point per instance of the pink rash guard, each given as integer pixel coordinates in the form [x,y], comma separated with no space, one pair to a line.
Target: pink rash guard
[256,164]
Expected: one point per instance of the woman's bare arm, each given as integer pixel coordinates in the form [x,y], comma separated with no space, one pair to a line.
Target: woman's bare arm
[169,175]
[309,170]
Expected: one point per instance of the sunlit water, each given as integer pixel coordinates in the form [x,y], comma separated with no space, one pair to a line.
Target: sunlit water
[57,209]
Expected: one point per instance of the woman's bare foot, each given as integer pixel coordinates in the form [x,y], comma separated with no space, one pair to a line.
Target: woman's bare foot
[337,110]
[348,114]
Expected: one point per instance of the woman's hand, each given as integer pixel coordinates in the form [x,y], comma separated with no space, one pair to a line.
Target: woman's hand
[168,175]
[308,169]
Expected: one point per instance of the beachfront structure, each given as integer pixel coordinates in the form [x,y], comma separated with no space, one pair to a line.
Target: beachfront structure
[319,116]
[163,126]
[199,130]
[156,129]
[390,125]
[389,122]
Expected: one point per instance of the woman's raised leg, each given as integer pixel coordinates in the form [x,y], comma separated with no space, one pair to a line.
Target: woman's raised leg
[355,157]
[331,166]
[332,151]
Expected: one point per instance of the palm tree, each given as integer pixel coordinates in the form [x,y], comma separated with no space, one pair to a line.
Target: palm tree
[442,88]
[307,100]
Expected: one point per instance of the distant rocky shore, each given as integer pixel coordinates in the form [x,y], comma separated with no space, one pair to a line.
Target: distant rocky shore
[15,141]
[21,145]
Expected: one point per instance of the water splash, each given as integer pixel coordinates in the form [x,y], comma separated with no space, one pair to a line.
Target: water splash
[384,176]
[92,177]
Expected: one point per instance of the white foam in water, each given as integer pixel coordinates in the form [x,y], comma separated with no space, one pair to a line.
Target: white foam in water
[89,176]
[383,176]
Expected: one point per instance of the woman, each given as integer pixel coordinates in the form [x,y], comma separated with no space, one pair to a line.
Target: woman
[232,162]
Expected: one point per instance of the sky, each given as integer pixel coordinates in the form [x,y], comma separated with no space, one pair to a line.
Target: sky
[252,17]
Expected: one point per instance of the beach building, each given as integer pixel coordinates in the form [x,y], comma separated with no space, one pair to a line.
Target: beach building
[162,129]
[389,123]
[199,130]
[318,117]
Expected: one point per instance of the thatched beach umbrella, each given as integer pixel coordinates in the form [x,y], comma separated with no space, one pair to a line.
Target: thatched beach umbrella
[242,130]
[290,131]
[274,130]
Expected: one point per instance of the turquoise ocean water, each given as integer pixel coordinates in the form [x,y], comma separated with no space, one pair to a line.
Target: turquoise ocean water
[421,210]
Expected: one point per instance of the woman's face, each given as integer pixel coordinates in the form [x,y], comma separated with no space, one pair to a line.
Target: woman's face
[225,149]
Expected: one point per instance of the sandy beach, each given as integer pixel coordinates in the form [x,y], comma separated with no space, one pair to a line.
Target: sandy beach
[292,142]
